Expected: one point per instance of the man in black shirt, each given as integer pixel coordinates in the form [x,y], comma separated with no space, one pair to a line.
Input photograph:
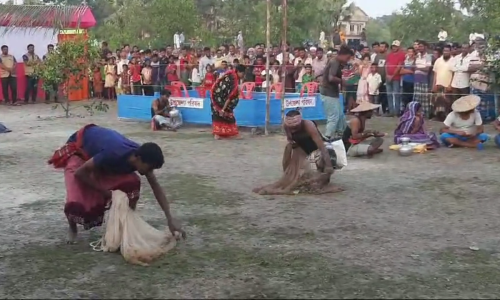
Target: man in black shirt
[330,90]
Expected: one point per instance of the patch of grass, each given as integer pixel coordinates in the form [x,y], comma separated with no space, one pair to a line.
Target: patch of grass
[147,134]
[41,205]
[191,189]
[8,160]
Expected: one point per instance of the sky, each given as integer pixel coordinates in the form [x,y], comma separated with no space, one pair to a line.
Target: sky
[376,8]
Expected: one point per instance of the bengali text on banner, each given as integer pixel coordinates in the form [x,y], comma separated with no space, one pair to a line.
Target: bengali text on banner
[186,102]
[299,102]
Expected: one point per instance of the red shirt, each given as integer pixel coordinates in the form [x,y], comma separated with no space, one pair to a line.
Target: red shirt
[257,71]
[393,60]
[209,80]
[171,73]
[135,70]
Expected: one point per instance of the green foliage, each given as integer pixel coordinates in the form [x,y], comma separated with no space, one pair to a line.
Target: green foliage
[147,23]
[423,19]
[66,66]
[378,31]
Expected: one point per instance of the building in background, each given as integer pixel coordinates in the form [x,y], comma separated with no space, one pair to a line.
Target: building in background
[353,27]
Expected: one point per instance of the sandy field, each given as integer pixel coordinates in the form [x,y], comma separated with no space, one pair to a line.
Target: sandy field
[403,228]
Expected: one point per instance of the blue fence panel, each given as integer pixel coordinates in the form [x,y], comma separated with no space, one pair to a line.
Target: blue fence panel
[249,113]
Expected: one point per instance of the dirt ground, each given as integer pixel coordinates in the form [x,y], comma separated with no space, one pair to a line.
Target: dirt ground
[403,227]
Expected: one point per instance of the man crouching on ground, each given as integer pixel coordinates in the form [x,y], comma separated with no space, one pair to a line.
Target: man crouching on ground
[358,141]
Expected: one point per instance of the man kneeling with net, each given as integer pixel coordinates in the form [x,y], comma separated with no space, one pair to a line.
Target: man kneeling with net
[304,138]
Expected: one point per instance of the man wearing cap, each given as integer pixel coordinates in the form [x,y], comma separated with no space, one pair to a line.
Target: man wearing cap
[355,136]
[463,127]
[394,62]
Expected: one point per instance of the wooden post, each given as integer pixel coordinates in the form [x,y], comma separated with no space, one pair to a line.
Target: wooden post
[268,81]
[284,52]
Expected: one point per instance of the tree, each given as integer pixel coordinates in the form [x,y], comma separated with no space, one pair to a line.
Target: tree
[333,12]
[422,19]
[149,23]
[378,31]
[486,15]
[66,66]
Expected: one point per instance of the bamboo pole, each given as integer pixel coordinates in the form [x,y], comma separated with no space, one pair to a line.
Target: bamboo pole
[268,83]
[284,52]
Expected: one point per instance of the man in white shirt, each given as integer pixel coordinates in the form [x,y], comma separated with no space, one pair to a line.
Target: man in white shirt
[279,57]
[204,62]
[463,127]
[299,62]
[460,66]
[177,40]
[443,35]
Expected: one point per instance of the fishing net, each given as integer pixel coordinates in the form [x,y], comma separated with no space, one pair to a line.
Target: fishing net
[125,230]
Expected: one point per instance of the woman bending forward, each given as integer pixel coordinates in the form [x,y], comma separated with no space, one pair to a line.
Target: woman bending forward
[225,97]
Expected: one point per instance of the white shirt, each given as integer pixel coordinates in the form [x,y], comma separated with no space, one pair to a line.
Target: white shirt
[372,57]
[182,38]
[279,57]
[454,121]
[202,66]
[460,66]
[374,81]
[195,76]
[443,35]
[307,61]
[119,66]
[177,40]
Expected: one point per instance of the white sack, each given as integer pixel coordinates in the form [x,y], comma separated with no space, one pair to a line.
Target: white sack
[125,230]
[339,148]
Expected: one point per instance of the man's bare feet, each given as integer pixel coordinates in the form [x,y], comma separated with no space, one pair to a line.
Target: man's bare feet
[216,137]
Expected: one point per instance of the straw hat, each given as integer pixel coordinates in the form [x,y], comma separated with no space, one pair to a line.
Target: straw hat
[365,106]
[466,103]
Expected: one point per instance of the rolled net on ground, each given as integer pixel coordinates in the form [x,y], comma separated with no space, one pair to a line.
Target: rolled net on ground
[124,230]
[298,176]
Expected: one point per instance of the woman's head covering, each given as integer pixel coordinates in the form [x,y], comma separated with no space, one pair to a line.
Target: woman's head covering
[466,103]
[365,106]
[406,120]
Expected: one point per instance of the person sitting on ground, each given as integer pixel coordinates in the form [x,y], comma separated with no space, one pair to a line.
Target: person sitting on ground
[303,138]
[161,114]
[411,125]
[358,141]
[98,160]
[496,124]
[463,127]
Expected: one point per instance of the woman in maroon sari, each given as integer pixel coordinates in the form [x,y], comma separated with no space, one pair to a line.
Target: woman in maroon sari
[225,97]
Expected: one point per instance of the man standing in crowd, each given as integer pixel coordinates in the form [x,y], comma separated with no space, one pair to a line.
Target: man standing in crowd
[30,60]
[205,61]
[330,90]
[8,75]
[380,60]
[394,62]
[319,64]
[54,86]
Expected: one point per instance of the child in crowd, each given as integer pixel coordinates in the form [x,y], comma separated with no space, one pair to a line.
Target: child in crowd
[209,79]
[125,80]
[374,80]
[97,82]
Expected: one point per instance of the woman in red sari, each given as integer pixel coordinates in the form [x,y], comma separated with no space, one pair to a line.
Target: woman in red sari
[225,97]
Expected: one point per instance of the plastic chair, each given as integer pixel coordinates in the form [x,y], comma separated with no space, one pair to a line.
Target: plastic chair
[203,92]
[311,87]
[181,87]
[174,91]
[246,91]
[278,90]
